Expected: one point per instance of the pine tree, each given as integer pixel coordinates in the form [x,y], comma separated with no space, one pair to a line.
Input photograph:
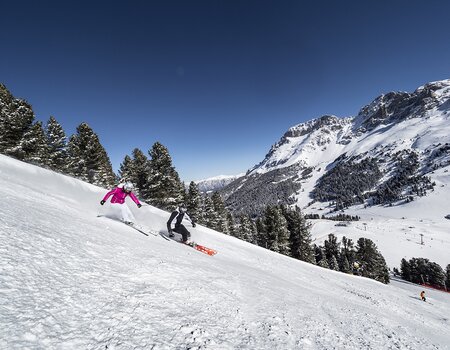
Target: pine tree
[261,233]
[33,147]
[140,171]
[323,263]
[447,277]
[319,256]
[164,189]
[331,247]
[238,229]
[436,276]
[333,264]
[246,229]
[208,215]
[232,230]
[346,267]
[254,231]
[347,255]
[126,169]
[270,218]
[194,201]
[57,145]
[16,117]
[299,235]
[183,192]
[405,270]
[419,270]
[371,261]
[277,232]
[88,159]
[221,213]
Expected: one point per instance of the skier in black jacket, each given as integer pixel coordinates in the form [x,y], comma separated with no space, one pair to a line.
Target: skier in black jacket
[180,213]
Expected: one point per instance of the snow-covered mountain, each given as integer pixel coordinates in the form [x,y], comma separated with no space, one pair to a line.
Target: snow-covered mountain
[383,155]
[216,183]
[72,280]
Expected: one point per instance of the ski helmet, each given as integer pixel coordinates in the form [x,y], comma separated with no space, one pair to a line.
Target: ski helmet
[128,186]
[182,208]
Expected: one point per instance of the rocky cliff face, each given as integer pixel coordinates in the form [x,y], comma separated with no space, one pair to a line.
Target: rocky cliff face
[395,107]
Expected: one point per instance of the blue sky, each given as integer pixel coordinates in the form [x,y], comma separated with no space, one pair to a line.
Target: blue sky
[217,82]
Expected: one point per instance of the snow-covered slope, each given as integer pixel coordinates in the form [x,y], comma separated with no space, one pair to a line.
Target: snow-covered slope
[399,230]
[216,183]
[71,280]
[306,143]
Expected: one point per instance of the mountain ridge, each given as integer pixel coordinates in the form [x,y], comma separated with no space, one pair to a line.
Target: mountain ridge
[392,122]
[216,183]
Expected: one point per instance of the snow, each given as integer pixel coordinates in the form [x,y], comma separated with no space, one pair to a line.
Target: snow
[217,182]
[221,177]
[397,230]
[71,280]
[317,143]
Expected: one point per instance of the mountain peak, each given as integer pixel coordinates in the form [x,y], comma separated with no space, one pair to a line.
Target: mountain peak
[436,85]
[396,106]
[312,125]
[384,131]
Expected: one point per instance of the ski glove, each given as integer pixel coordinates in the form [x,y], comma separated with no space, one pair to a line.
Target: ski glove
[139,205]
[193,224]
[102,202]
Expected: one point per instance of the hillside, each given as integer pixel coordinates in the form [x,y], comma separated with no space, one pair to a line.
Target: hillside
[72,280]
[383,155]
[216,183]
[397,230]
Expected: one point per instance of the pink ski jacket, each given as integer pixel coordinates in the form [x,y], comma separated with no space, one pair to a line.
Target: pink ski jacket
[119,195]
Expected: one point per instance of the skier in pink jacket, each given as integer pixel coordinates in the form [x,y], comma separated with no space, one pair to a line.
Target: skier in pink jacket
[118,197]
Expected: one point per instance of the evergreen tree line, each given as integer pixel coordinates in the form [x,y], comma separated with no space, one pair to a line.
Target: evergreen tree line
[208,210]
[421,270]
[280,229]
[348,182]
[83,156]
[364,259]
[351,182]
[339,217]
[23,138]
[404,183]
[158,183]
[286,231]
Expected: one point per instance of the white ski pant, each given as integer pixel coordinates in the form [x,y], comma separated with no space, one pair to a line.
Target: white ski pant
[126,213]
[122,212]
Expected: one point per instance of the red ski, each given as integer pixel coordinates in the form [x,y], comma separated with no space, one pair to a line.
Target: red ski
[202,249]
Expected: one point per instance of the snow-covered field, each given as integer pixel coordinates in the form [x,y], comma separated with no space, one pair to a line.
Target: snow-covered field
[70,280]
[399,230]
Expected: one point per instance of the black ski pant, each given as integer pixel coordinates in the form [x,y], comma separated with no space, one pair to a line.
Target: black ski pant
[182,231]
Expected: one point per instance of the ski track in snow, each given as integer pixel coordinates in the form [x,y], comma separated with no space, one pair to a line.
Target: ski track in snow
[70,280]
